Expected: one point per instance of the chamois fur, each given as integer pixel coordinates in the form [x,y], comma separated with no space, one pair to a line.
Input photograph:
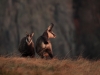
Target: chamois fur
[26,46]
[43,44]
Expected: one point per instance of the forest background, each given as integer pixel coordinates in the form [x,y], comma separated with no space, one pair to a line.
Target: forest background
[77,25]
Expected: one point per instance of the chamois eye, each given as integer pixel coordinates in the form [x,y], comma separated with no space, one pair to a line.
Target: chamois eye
[31,37]
[27,35]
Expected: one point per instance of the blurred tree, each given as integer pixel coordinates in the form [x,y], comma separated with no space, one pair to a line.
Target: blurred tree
[88,41]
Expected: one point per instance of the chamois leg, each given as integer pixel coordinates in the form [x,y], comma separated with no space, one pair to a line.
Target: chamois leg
[46,55]
[51,55]
[42,56]
[24,55]
[32,56]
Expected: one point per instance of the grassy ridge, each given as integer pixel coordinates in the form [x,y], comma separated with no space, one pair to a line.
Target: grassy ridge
[29,66]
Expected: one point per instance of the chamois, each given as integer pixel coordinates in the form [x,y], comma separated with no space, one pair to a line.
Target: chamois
[26,46]
[43,44]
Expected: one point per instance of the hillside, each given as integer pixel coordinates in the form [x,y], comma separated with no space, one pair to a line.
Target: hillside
[37,66]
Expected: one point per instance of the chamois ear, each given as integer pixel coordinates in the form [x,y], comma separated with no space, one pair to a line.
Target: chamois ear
[32,34]
[26,33]
[50,27]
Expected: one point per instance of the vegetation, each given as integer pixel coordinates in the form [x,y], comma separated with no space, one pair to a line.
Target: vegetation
[37,66]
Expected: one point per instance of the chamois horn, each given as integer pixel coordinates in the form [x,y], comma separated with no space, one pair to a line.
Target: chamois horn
[50,27]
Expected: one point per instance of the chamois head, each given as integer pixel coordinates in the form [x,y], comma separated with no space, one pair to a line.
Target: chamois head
[49,33]
[29,38]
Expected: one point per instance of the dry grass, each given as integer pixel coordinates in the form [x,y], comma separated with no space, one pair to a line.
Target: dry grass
[36,66]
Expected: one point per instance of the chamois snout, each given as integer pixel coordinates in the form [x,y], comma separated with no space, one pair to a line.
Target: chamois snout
[29,38]
[51,34]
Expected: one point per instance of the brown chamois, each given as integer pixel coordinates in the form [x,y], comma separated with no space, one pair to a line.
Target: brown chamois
[26,46]
[43,44]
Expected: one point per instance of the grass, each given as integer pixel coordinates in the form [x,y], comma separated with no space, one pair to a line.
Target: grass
[37,66]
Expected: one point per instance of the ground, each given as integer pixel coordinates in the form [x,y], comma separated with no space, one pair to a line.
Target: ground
[38,66]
